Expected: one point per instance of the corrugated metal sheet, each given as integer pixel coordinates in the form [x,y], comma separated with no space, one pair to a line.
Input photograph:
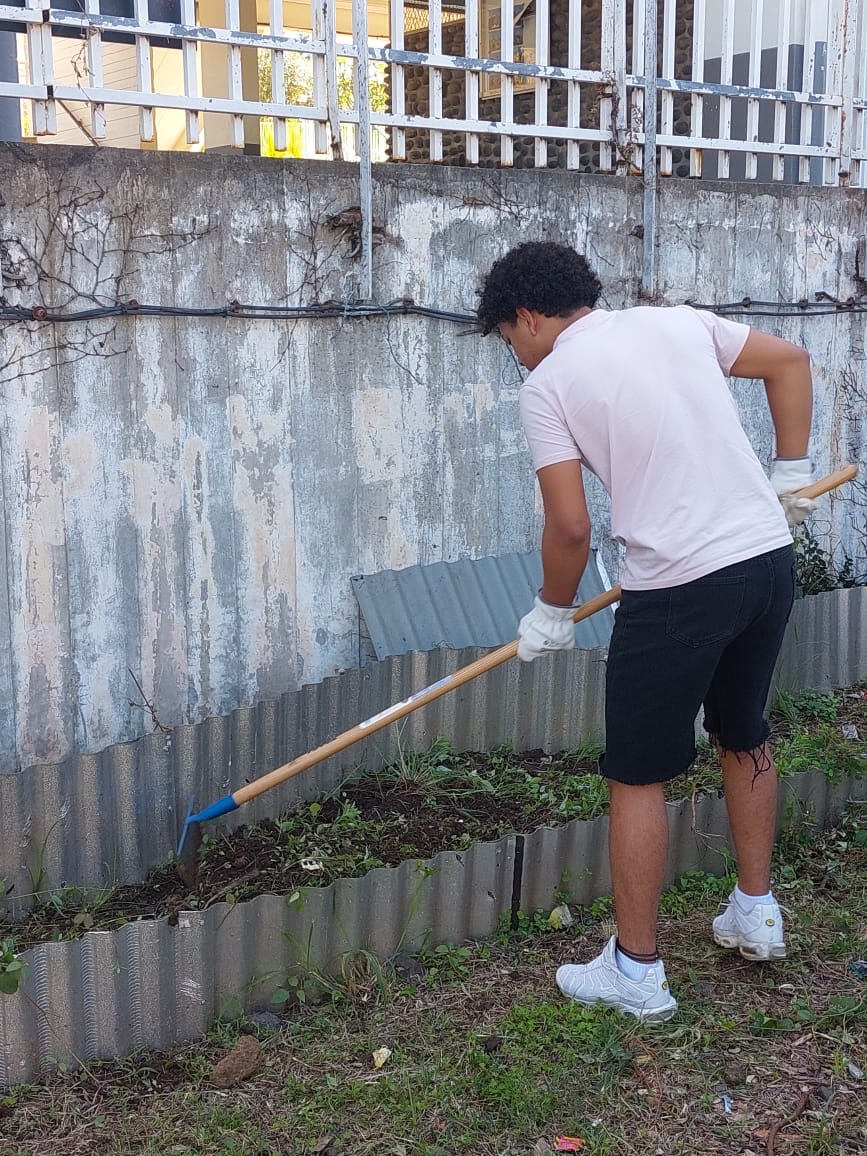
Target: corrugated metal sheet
[101,819]
[150,985]
[95,820]
[465,603]
[573,860]
[826,643]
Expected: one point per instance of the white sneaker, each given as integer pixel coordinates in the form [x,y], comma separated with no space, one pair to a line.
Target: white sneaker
[758,934]
[602,982]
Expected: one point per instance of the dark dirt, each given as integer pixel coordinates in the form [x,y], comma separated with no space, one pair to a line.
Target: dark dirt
[406,823]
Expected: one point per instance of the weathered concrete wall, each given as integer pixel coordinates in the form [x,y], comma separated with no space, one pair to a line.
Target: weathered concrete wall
[186,498]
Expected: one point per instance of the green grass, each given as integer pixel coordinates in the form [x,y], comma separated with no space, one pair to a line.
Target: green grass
[487,1058]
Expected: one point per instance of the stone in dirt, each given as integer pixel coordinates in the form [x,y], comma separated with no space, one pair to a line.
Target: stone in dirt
[265,1020]
[244,1060]
[734,1074]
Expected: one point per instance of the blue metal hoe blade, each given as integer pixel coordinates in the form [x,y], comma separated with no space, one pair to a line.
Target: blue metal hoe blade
[221,807]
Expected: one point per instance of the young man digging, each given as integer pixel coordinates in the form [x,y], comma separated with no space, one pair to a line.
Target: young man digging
[639,398]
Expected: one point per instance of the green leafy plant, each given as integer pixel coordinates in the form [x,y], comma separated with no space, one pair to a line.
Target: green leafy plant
[827,749]
[818,571]
[798,708]
[11,968]
[523,925]
[447,961]
[36,862]
[693,889]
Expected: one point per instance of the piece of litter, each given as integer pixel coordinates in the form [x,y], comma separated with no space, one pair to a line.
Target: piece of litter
[727,1105]
[560,917]
[568,1144]
[380,1056]
[858,967]
[311,865]
[850,731]
[855,1072]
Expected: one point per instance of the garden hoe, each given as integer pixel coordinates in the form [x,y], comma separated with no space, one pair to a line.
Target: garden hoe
[191,836]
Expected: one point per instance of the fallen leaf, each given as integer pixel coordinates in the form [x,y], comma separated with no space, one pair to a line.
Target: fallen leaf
[542,1148]
[380,1056]
[322,1144]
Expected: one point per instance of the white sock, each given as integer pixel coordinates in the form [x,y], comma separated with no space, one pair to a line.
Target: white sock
[747,902]
[631,968]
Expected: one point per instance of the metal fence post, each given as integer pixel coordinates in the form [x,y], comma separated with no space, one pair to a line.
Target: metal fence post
[650,171]
[842,63]
[10,111]
[365,177]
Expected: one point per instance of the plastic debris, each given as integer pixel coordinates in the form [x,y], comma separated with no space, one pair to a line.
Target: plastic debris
[850,731]
[568,1144]
[380,1056]
[858,967]
[727,1105]
[560,917]
[855,1072]
[311,865]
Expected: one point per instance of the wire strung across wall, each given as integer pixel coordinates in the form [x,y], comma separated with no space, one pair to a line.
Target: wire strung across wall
[823,305]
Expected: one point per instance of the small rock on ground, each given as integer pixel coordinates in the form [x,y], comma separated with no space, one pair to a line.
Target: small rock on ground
[265,1020]
[244,1060]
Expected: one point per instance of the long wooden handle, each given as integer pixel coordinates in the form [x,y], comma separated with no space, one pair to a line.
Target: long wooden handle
[829,482]
[393,713]
[465,674]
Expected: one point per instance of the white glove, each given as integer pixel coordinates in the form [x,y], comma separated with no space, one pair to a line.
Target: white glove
[545,628]
[788,475]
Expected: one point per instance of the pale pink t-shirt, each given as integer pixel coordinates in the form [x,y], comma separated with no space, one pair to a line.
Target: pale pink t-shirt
[639,396]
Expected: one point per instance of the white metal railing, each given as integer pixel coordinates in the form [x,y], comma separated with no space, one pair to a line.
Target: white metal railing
[772,90]
[768,89]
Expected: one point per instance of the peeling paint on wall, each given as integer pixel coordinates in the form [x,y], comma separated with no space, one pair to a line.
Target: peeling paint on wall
[187,498]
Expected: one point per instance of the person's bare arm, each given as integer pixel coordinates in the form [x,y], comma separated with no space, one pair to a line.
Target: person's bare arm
[785,370]
[566,536]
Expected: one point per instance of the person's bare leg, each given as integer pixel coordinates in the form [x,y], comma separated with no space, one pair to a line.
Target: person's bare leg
[750,781]
[638,849]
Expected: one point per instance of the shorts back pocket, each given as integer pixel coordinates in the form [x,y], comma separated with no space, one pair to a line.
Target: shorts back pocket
[707,610]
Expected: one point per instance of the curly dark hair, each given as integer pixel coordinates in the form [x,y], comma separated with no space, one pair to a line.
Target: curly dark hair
[552,279]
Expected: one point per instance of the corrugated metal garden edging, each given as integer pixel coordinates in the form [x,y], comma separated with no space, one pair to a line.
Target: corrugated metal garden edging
[153,985]
[103,819]
[107,818]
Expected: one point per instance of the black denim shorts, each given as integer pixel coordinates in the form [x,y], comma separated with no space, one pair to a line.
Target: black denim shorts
[714,641]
